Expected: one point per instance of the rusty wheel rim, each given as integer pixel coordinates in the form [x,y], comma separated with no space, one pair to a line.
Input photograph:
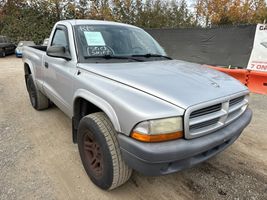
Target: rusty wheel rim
[93,155]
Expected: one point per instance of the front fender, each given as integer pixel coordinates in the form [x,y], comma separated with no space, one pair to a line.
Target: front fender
[101,103]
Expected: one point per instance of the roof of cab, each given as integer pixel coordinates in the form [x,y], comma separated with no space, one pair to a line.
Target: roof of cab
[95,22]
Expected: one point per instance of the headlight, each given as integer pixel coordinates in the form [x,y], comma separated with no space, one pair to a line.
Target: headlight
[159,130]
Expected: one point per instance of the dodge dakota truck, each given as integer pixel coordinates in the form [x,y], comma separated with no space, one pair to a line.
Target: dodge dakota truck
[133,107]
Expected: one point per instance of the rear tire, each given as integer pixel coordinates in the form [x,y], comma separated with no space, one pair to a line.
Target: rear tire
[100,153]
[38,100]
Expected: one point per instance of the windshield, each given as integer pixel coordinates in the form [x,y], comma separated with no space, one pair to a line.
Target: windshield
[114,41]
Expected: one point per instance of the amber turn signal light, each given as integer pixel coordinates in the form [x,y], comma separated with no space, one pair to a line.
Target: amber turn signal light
[157,137]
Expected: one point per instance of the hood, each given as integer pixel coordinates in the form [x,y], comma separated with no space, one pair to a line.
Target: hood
[178,82]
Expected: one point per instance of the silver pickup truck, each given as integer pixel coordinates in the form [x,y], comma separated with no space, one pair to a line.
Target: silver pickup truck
[131,106]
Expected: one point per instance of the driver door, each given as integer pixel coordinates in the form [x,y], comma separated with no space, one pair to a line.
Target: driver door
[59,73]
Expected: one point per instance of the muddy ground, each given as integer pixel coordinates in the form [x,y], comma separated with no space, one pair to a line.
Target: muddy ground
[39,161]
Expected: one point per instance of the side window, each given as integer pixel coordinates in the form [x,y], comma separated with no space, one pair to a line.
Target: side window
[60,38]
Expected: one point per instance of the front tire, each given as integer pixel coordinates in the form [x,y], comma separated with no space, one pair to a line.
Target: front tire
[38,100]
[100,153]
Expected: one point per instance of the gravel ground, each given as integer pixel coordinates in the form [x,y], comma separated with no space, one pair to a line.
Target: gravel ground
[39,161]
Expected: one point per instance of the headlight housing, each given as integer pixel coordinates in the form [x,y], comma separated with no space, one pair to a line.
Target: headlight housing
[159,130]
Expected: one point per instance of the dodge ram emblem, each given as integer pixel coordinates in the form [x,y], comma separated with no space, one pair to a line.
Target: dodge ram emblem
[215,84]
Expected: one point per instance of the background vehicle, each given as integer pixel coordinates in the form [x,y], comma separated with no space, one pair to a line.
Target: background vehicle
[19,49]
[45,42]
[6,46]
[132,107]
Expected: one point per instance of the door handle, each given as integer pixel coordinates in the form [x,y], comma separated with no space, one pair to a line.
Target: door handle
[46,65]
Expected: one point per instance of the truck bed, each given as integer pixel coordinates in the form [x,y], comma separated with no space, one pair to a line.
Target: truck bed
[35,54]
[40,47]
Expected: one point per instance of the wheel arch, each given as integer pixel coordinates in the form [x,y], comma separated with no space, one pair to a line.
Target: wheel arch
[28,69]
[85,103]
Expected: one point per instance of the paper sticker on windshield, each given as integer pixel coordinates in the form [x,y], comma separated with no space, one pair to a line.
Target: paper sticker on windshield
[94,38]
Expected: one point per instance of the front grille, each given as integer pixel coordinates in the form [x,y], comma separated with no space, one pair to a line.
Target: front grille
[204,124]
[205,111]
[236,100]
[204,119]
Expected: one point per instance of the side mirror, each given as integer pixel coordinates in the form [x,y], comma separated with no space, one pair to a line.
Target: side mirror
[58,52]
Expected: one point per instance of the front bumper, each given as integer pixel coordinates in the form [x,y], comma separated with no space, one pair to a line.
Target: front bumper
[154,159]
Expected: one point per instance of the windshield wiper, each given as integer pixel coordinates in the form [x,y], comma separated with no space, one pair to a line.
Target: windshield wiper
[107,57]
[150,55]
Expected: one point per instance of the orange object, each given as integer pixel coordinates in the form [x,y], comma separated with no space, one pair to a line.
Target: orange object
[239,74]
[257,82]
[157,138]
